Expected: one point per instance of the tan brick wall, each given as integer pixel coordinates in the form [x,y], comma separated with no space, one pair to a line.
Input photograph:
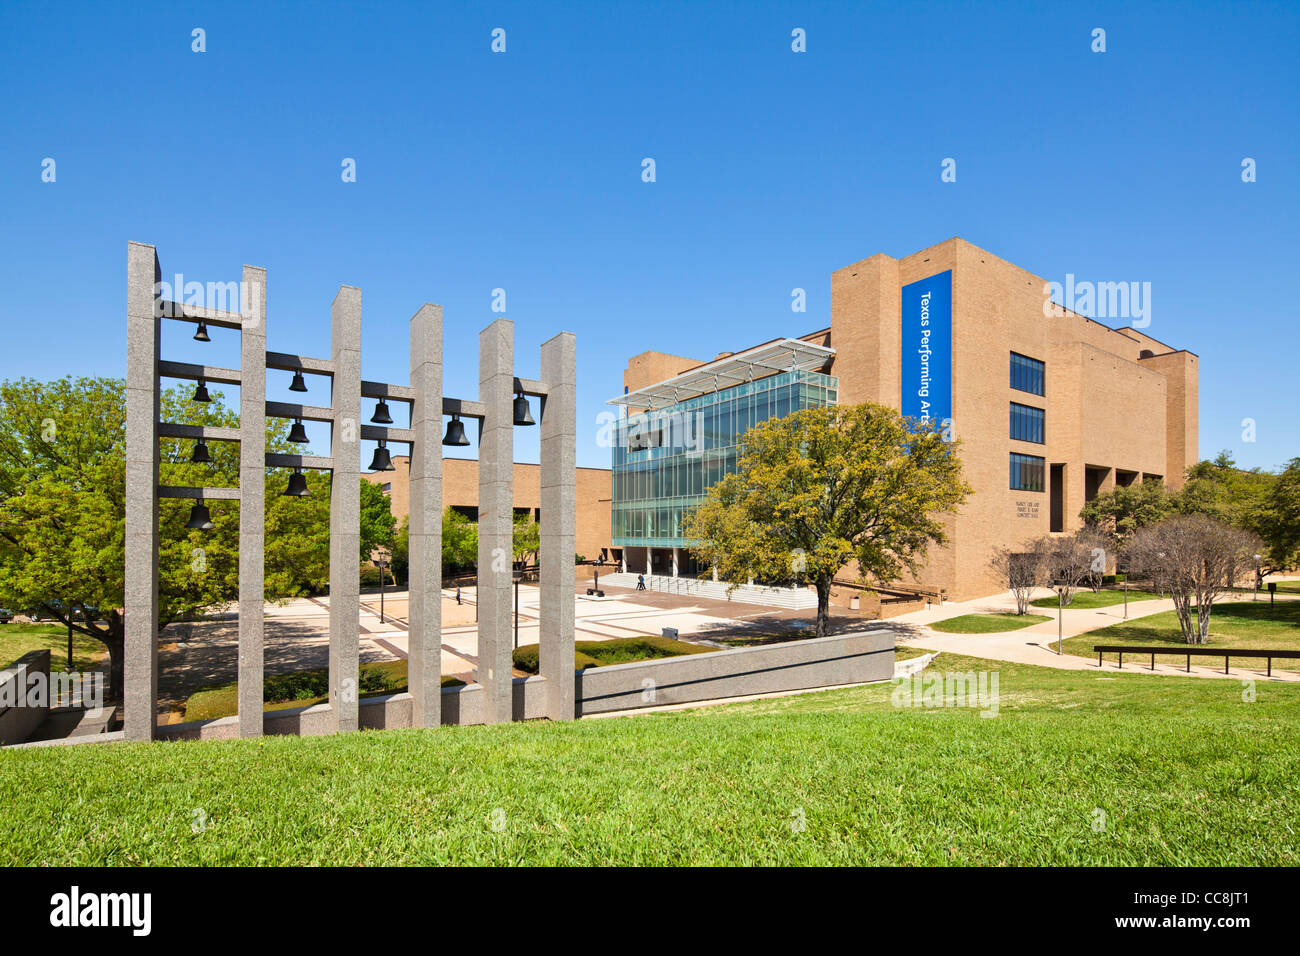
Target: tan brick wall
[460,488]
[1105,405]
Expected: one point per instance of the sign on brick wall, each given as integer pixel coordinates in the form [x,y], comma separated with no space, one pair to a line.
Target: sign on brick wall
[927,349]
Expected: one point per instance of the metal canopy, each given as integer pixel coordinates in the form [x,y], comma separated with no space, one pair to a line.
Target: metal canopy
[780,355]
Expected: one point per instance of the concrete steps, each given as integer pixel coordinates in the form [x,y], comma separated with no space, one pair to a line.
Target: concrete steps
[797,599]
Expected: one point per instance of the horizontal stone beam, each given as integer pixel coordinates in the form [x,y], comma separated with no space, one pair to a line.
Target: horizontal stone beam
[215,494]
[197,432]
[286,362]
[318,462]
[397,393]
[199,313]
[209,373]
[312,413]
[384,433]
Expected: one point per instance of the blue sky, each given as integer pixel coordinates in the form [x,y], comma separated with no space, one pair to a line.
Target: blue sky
[522,171]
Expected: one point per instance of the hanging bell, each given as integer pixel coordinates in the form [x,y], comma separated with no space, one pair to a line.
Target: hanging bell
[297,485]
[202,334]
[381,416]
[381,461]
[200,455]
[523,416]
[455,433]
[298,384]
[201,393]
[200,520]
[297,433]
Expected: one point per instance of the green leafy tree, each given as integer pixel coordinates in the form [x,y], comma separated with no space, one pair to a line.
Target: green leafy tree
[822,487]
[1281,527]
[525,538]
[378,526]
[62,511]
[1122,512]
[459,541]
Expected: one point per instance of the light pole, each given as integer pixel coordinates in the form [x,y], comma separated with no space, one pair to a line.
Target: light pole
[381,562]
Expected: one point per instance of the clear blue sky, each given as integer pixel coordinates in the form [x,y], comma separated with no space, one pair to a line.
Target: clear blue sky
[523,171]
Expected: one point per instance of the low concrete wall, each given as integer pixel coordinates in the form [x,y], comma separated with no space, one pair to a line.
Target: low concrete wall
[768,669]
[17,719]
[797,665]
[462,704]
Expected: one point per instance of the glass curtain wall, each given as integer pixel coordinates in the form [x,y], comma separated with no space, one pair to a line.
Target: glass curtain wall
[664,461]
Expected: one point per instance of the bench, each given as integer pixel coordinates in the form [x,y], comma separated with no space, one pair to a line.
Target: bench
[1225,653]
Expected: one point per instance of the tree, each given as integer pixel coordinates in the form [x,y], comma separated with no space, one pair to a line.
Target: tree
[1067,561]
[378,526]
[459,541]
[818,488]
[1193,558]
[1122,512]
[525,538]
[1280,528]
[1022,569]
[62,511]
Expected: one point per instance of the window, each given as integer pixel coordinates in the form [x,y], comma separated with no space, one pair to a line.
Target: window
[1026,374]
[1026,472]
[1026,423]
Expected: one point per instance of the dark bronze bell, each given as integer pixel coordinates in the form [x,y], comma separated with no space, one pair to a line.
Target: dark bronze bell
[523,416]
[297,485]
[455,433]
[200,520]
[381,461]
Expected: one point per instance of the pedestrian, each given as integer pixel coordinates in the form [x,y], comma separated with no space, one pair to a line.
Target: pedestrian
[458,594]
[640,582]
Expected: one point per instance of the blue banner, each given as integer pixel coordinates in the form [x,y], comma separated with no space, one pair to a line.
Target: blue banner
[927,349]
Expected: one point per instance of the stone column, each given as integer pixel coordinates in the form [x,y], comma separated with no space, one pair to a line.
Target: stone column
[559,508]
[424,655]
[252,497]
[140,604]
[495,515]
[675,550]
[345,508]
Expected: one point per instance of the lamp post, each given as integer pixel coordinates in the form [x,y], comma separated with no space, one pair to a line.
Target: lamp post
[381,562]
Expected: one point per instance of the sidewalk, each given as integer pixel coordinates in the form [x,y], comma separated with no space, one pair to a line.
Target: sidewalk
[1036,644]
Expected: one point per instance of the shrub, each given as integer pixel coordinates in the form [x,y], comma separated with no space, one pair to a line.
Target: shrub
[623,650]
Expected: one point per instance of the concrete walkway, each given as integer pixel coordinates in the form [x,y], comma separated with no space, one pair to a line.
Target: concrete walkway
[1036,644]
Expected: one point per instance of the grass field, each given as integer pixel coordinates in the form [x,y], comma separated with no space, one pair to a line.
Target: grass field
[987,623]
[1254,624]
[298,689]
[17,639]
[1184,771]
[1085,599]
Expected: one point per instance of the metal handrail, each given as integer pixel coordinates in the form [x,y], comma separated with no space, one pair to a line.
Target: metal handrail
[1225,653]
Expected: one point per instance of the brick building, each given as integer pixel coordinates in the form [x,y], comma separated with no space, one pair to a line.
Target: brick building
[1051,407]
[460,493]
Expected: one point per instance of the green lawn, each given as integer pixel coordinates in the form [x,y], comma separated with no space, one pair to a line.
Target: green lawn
[987,623]
[1254,624]
[298,689]
[622,650]
[1085,599]
[1185,772]
[17,639]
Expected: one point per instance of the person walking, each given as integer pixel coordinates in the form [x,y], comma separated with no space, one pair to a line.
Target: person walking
[640,582]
